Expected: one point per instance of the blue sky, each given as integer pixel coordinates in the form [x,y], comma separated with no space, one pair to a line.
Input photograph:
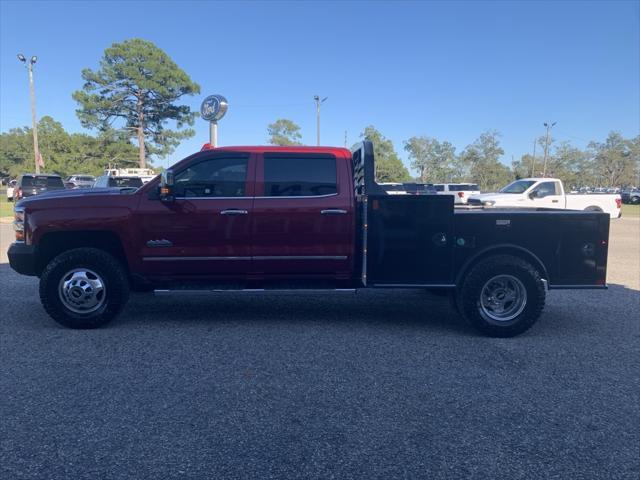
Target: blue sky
[449,70]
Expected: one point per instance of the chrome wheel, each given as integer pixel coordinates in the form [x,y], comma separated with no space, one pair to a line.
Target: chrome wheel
[502,298]
[82,291]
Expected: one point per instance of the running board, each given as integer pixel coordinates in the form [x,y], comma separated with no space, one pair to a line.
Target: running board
[260,291]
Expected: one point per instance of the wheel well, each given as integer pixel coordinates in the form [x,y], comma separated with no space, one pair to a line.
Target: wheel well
[519,252]
[593,208]
[53,244]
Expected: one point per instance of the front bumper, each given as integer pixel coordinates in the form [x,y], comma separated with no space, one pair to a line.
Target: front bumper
[22,258]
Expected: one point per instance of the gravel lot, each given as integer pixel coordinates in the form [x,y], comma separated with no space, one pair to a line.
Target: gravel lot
[378,385]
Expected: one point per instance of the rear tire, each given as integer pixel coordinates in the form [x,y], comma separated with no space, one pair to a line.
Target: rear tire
[502,296]
[84,288]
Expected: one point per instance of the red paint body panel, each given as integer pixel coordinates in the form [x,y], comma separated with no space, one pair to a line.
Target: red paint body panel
[295,227]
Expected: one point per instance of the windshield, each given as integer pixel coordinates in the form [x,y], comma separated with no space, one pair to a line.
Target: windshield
[519,186]
[42,182]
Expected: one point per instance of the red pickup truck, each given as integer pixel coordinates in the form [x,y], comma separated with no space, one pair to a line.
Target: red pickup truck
[257,219]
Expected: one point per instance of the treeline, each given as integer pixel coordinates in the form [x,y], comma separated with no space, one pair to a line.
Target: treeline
[612,163]
[63,152]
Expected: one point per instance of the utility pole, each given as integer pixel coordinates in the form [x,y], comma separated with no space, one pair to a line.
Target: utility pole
[533,161]
[548,125]
[32,91]
[318,103]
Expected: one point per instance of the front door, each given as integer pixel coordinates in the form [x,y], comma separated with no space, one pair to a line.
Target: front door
[547,194]
[206,231]
[303,221]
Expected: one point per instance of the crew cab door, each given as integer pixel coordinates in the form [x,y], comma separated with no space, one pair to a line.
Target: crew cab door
[206,230]
[547,194]
[303,215]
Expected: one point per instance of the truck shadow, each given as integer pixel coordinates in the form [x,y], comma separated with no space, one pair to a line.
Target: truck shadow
[397,307]
[568,312]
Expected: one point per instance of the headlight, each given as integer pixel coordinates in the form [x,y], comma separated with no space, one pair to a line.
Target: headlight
[18,224]
[489,203]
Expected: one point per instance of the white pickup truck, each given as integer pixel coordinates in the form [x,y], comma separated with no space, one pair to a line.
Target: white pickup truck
[548,193]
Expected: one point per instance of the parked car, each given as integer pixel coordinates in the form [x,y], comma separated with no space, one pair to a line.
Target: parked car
[548,193]
[272,218]
[118,181]
[460,191]
[408,188]
[631,195]
[30,184]
[80,181]
[11,185]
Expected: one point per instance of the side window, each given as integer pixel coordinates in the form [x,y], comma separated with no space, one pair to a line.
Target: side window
[439,188]
[217,177]
[545,189]
[299,176]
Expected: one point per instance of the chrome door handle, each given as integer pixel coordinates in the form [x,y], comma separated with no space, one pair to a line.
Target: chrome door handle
[554,201]
[234,211]
[333,211]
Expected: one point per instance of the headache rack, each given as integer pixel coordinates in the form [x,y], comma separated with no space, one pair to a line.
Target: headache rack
[402,240]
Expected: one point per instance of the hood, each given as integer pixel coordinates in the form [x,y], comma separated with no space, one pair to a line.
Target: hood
[488,196]
[80,192]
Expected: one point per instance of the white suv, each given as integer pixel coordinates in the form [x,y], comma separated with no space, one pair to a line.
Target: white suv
[460,191]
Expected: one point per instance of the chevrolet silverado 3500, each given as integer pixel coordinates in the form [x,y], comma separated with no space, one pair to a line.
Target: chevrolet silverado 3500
[260,219]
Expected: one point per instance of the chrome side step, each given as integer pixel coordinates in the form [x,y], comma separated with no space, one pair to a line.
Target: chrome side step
[260,291]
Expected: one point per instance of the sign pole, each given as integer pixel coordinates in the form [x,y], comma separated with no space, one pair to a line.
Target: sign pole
[213,133]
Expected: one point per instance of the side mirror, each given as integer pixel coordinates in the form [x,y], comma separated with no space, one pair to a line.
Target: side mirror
[166,186]
[533,194]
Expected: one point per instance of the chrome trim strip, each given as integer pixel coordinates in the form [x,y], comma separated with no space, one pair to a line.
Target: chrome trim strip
[414,285]
[275,257]
[302,257]
[264,196]
[578,287]
[179,259]
[333,211]
[163,292]
[365,239]
[303,196]
[214,198]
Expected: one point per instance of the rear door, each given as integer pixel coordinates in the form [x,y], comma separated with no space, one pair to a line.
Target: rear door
[303,215]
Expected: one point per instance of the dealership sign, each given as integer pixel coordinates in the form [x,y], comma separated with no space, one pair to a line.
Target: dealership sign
[213,108]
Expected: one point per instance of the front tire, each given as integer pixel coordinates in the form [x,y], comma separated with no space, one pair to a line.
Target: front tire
[502,296]
[84,288]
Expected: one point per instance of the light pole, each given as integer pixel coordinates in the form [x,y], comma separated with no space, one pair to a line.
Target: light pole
[32,91]
[546,147]
[318,103]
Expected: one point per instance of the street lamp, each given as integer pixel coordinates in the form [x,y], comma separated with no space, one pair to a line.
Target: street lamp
[29,64]
[548,126]
[318,103]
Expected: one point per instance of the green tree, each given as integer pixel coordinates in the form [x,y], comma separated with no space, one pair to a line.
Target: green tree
[284,132]
[482,162]
[63,153]
[614,160]
[138,87]
[434,160]
[389,167]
